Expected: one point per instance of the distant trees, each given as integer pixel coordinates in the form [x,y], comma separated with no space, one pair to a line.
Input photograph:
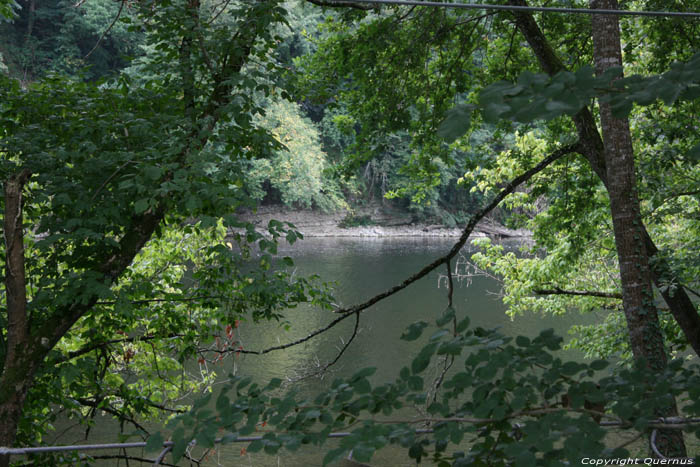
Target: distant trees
[62,36]
[299,172]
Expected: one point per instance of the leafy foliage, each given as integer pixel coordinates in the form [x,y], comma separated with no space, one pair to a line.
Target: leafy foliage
[537,96]
[114,165]
[511,401]
[298,172]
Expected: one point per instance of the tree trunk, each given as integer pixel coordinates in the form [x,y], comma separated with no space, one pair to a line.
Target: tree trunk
[646,339]
[678,301]
[30,18]
[12,389]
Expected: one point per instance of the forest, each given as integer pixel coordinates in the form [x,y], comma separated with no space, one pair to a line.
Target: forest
[134,135]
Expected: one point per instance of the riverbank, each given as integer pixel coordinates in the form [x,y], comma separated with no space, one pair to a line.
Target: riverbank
[374,221]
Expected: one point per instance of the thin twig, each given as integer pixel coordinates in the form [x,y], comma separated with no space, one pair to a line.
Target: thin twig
[111,411]
[109,28]
[448,360]
[213,18]
[322,368]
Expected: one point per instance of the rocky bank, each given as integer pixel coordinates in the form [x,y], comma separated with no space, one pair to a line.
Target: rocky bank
[378,222]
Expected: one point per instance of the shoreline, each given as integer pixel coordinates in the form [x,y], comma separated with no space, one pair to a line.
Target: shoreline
[384,223]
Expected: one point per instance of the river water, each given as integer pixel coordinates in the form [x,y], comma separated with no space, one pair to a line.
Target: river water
[361,268]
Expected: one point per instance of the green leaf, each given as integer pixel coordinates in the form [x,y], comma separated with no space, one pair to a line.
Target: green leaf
[447,316]
[452,347]
[255,446]
[694,154]
[522,341]
[414,331]
[361,386]
[180,445]
[333,455]
[154,442]
[599,365]
[222,402]
[422,361]
[206,436]
[463,325]
[152,172]
[571,368]
[274,383]
[456,122]
[415,383]
[141,206]
[364,373]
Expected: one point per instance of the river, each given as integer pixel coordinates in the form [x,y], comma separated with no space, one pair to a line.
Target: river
[361,268]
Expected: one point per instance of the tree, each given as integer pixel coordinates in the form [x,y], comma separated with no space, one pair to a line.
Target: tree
[678,301]
[297,173]
[93,172]
[645,335]
[69,38]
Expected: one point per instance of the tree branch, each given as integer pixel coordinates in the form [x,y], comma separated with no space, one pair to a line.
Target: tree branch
[584,293]
[322,368]
[105,408]
[106,31]
[161,300]
[342,4]
[99,345]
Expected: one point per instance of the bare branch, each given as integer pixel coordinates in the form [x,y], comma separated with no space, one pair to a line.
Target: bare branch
[106,31]
[99,345]
[508,189]
[106,408]
[322,368]
[213,18]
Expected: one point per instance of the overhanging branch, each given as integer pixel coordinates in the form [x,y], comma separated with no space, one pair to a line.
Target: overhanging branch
[582,293]
[467,231]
